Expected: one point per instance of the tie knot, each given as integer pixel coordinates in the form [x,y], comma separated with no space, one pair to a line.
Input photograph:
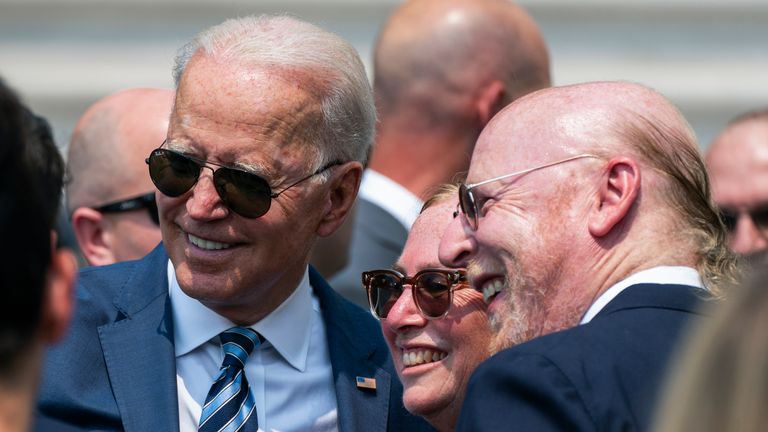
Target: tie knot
[237,343]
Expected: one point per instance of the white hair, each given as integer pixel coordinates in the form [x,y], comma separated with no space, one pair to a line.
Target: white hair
[349,115]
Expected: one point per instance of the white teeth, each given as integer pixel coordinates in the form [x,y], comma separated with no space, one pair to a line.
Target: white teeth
[491,289]
[207,244]
[413,358]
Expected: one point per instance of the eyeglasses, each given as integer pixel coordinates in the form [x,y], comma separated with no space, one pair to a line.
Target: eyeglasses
[468,203]
[146,201]
[432,290]
[243,192]
[758,215]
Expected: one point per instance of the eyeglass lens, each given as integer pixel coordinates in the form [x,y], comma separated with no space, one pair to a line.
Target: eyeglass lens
[431,292]
[467,203]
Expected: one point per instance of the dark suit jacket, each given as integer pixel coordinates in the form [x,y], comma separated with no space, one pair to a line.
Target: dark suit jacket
[377,241]
[601,376]
[116,370]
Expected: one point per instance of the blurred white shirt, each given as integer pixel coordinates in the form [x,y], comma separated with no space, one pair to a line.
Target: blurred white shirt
[390,196]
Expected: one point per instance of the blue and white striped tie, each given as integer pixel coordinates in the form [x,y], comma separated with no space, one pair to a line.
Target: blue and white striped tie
[230,405]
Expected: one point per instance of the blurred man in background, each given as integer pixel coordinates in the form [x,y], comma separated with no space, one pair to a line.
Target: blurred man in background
[738,165]
[442,69]
[110,196]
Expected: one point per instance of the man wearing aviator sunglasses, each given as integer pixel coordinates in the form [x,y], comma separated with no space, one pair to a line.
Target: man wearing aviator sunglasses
[110,198]
[435,324]
[271,125]
[588,225]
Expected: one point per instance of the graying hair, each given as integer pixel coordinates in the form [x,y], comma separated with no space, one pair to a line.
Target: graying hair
[334,67]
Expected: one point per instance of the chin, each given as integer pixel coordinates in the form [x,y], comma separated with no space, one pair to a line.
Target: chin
[423,403]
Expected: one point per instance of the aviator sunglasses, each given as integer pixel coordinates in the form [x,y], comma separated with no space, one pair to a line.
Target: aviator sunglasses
[432,290]
[243,192]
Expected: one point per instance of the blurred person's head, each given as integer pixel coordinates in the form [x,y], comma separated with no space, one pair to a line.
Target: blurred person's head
[573,189]
[38,281]
[442,69]
[272,120]
[436,326]
[720,380]
[110,196]
[738,167]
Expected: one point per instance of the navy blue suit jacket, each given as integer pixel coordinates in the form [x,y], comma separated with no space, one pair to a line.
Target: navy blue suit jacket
[601,376]
[116,370]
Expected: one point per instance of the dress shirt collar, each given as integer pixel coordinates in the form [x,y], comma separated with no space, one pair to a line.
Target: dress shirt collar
[286,328]
[669,275]
[390,196]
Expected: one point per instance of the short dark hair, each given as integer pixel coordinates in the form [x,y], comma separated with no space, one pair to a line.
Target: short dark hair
[25,229]
[45,162]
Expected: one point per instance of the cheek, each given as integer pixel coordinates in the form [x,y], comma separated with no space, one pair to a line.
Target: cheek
[389,336]
[167,207]
[470,332]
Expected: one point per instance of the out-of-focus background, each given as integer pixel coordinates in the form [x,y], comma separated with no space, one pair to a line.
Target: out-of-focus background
[709,56]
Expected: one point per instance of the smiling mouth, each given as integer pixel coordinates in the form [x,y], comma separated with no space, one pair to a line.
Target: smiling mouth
[491,288]
[422,356]
[207,244]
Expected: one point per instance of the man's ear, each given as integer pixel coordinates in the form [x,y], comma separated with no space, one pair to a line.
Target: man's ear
[491,100]
[617,192]
[92,236]
[343,186]
[59,295]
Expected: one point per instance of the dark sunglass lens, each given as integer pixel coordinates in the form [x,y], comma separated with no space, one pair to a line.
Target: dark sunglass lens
[244,193]
[385,289]
[760,218]
[173,174]
[467,203]
[729,219]
[433,294]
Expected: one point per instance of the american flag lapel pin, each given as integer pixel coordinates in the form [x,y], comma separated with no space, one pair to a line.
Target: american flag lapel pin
[365,383]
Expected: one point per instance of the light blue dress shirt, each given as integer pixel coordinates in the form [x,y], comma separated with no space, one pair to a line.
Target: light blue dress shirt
[290,374]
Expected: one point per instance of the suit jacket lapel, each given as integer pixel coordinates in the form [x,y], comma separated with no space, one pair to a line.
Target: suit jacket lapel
[354,356]
[138,350]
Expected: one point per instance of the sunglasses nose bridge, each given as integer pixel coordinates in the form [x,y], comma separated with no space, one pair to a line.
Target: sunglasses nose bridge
[206,202]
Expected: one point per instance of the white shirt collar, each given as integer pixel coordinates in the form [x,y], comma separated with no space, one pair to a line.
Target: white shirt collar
[670,275]
[286,328]
[390,196]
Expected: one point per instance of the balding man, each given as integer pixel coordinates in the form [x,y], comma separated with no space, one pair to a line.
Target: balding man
[110,196]
[738,166]
[442,70]
[587,223]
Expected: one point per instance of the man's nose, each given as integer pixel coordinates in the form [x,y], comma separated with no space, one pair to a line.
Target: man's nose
[748,237]
[457,245]
[204,202]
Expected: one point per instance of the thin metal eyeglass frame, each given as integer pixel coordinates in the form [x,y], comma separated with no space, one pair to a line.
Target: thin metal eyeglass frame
[457,279]
[467,198]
